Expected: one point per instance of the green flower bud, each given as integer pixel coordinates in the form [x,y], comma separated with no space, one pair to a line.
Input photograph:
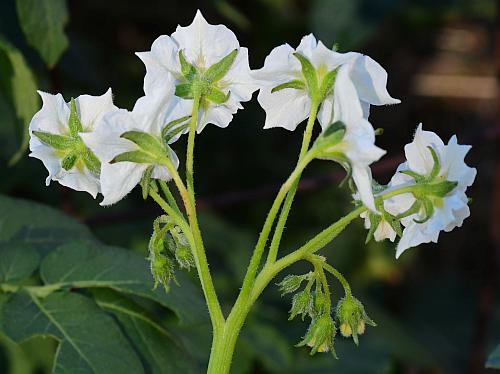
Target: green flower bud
[319,304]
[291,283]
[162,269]
[352,318]
[321,335]
[184,256]
[301,304]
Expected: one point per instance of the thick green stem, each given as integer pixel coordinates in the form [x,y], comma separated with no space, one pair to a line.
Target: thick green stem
[287,205]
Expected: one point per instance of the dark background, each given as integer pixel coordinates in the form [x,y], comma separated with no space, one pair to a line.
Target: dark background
[437,307]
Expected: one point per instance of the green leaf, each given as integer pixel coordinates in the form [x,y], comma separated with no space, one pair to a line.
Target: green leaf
[40,226]
[91,265]
[493,361]
[53,140]
[43,25]
[309,72]
[18,262]
[296,84]
[218,70]
[18,85]
[156,346]
[90,340]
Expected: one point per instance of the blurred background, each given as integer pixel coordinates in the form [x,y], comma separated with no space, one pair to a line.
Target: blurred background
[438,307]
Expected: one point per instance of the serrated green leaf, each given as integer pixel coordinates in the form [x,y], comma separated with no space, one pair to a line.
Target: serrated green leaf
[493,361]
[218,70]
[43,25]
[18,261]
[18,85]
[90,340]
[295,84]
[158,348]
[91,265]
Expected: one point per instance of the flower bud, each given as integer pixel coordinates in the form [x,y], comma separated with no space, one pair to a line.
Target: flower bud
[162,270]
[301,304]
[321,335]
[291,283]
[184,256]
[352,318]
[320,303]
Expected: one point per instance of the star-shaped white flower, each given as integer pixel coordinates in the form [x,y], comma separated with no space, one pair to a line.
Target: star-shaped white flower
[288,107]
[150,115]
[202,45]
[450,210]
[58,145]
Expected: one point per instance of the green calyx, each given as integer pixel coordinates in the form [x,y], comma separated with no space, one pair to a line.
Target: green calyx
[205,83]
[70,147]
[321,335]
[352,318]
[326,146]
[318,82]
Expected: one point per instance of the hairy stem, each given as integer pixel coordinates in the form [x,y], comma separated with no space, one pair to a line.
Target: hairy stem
[287,205]
[190,146]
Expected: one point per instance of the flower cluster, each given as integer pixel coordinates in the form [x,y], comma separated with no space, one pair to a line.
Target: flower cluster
[200,75]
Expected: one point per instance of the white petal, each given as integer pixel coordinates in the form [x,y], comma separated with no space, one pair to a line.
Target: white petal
[220,115]
[117,180]
[49,159]
[362,177]
[384,231]
[238,80]
[205,44]
[418,155]
[347,107]
[105,141]
[91,109]
[325,114]
[453,164]
[161,172]
[54,115]
[307,44]
[370,80]
[161,62]
[286,108]
[79,180]
[279,67]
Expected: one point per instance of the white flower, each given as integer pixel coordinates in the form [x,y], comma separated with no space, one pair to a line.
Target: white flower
[384,229]
[289,107]
[150,115]
[358,144]
[448,211]
[202,45]
[57,144]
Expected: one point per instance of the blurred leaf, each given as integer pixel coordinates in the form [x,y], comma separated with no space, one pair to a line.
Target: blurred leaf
[19,261]
[86,265]
[43,25]
[41,226]
[18,85]
[90,340]
[493,361]
[17,362]
[268,346]
[154,343]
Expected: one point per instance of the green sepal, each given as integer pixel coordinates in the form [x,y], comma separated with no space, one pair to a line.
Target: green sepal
[374,222]
[327,84]
[325,145]
[428,209]
[436,166]
[415,208]
[184,91]
[74,123]
[440,189]
[91,162]
[308,71]
[69,161]
[146,182]
[172,134]
[60,142]
[187,70]
[216,96]
[418,178]
[146,142]
[379,131]
[218,70]
[168,127]
[296,84]
[138,157]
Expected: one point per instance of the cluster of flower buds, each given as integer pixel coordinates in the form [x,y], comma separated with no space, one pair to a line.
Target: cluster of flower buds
[167,246]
